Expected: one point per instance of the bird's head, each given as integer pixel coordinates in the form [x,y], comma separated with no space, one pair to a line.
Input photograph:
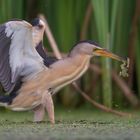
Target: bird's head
[38,23]
[91,48]
[38,30]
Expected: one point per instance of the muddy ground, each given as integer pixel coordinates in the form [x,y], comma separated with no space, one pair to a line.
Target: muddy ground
[70,125]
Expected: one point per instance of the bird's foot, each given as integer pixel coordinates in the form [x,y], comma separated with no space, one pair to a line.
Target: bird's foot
[49,106]
[39,113]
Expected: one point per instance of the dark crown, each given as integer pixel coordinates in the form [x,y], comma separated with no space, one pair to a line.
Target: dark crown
[89,41]
[35,22]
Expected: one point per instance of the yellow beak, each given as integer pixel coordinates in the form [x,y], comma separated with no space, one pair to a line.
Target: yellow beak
[106,53]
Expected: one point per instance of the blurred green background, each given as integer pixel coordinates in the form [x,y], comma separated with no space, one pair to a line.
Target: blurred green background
[114,24]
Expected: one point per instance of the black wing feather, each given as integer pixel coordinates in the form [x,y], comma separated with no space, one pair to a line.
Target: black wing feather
[47,59]
[5,70]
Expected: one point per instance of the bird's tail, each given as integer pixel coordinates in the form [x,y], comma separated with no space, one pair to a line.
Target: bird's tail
[3,100]
[6,99]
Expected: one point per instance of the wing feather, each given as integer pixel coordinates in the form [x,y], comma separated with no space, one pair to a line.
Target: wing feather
[5,71]
[18,57]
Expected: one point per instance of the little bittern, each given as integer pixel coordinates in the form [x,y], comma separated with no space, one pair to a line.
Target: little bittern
[29,76]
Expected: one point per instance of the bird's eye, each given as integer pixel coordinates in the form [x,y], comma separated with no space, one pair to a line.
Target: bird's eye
[40,26]
[95,49]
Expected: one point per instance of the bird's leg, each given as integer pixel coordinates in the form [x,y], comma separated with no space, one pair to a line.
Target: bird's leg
[47,102]
[39,113]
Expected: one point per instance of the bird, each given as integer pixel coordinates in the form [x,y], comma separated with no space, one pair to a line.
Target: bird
[29,76]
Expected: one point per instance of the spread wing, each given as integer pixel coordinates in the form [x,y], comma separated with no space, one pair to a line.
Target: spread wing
[17,54]
[5,71]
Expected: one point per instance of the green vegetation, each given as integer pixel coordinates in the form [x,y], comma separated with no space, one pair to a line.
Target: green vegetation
[101,13]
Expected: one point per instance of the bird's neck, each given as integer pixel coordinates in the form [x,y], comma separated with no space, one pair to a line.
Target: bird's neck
[66,71]
[60,73]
